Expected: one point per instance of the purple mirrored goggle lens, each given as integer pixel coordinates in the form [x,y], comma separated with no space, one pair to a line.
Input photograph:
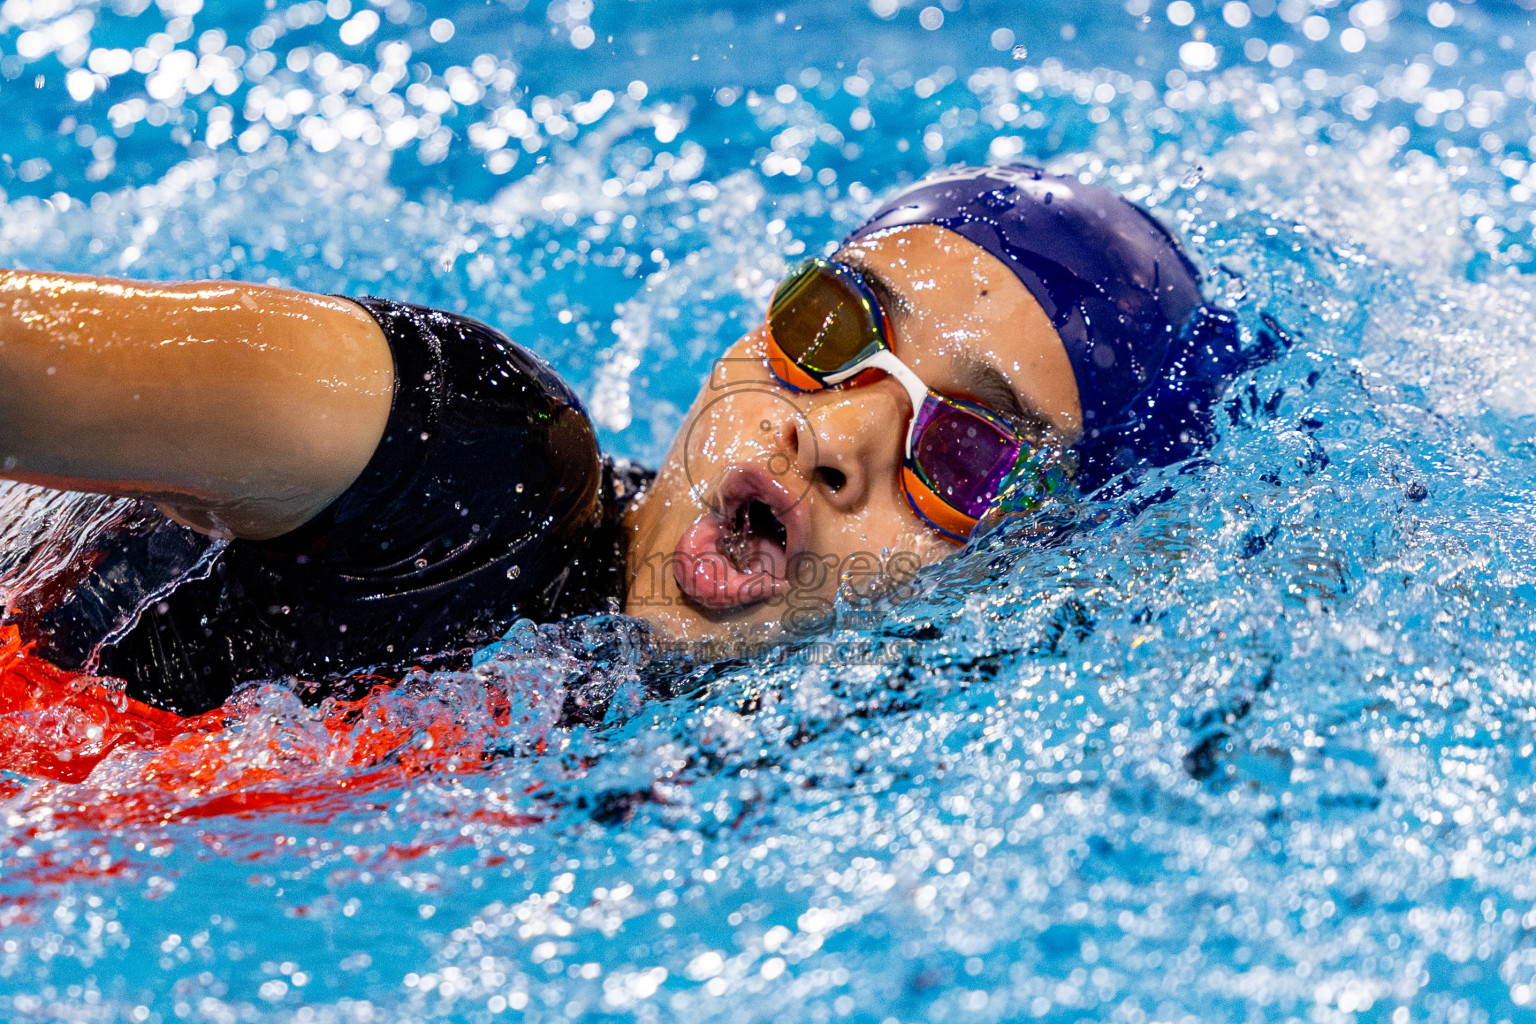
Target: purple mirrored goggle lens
[962,454]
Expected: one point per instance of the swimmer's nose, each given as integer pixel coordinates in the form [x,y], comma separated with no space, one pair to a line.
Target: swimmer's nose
[856,441]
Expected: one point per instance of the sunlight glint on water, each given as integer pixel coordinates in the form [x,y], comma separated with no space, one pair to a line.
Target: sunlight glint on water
[1257,750]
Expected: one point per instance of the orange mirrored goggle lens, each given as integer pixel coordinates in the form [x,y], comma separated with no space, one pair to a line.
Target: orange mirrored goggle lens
[824,319]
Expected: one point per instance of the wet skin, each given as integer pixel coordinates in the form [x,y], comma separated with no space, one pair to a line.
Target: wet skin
[242,409]
[770,500]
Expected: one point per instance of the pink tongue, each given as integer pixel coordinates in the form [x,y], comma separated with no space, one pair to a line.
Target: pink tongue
[708,577]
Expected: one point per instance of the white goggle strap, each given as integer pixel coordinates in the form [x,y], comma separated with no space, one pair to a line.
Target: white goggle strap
[885,359]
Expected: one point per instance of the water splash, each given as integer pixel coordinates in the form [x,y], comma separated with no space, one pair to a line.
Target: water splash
[1256,744]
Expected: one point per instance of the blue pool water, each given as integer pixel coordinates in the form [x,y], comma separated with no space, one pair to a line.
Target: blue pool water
[1257,751]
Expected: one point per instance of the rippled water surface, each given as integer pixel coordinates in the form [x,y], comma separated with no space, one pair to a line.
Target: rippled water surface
[1258,749]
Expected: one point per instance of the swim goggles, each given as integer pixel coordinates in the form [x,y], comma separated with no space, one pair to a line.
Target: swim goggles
[827,328]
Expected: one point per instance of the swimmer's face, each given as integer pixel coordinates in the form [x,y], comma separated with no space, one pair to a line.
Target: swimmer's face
[772,501]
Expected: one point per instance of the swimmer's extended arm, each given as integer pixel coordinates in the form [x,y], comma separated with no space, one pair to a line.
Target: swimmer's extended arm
[241,409]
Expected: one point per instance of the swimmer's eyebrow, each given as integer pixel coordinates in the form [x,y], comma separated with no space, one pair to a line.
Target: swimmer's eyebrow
[895,304]
[987,385]
[979,379]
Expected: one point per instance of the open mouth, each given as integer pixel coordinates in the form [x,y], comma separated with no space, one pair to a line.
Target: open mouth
[737,554]
[753,530]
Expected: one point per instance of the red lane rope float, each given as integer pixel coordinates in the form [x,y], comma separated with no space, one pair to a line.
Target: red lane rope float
[58,727]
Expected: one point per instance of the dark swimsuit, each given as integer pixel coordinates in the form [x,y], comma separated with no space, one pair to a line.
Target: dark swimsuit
[486,501]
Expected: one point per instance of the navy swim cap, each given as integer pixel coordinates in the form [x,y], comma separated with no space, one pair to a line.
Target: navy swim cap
[1150,358]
